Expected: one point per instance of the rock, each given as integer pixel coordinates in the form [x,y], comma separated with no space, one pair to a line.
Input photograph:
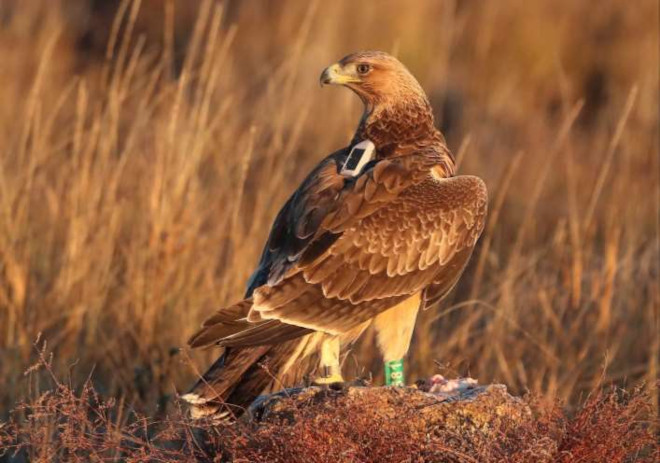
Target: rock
[460,406]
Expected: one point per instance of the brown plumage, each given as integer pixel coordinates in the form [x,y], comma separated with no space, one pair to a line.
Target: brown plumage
[344,251]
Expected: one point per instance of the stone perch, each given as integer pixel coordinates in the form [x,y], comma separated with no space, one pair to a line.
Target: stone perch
[459,405]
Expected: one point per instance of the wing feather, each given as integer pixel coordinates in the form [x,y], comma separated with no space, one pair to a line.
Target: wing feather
[373,260]
[343,250]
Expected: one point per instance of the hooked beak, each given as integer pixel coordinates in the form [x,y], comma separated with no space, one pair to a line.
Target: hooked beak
[334,74]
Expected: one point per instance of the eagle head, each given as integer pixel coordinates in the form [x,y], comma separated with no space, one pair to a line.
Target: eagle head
[375,76]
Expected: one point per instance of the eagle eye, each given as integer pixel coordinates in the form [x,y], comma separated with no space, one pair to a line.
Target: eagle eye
[363,68]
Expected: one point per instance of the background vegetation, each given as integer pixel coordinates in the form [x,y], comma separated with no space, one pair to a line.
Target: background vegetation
[146,146]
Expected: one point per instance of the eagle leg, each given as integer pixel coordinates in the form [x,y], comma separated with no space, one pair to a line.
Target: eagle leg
[394,330]
[330,368]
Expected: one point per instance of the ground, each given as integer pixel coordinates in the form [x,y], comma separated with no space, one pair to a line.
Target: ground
[433,421]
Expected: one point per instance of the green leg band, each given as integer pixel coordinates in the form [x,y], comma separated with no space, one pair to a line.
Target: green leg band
[394,373]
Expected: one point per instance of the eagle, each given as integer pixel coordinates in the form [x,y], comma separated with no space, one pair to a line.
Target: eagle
[377,231]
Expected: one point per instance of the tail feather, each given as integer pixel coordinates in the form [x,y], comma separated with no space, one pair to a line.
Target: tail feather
[230,314]
[223,323]
[257,357]
[241,374]
[283,366]
[223,376]
[267,332]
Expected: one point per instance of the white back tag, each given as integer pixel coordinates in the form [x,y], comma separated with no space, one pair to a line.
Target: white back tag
[359,156]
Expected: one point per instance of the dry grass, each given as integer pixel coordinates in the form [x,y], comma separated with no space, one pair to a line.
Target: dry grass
[138,179]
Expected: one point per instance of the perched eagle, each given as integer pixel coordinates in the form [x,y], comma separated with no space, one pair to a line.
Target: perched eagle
[364,239]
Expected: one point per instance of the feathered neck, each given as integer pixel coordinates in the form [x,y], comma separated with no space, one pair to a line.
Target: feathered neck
[406,126]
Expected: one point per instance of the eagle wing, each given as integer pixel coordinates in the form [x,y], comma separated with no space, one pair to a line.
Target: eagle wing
[342,250]
[297,222]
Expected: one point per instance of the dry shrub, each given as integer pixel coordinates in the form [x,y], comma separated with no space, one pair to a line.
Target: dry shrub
[610,427]
[66,425]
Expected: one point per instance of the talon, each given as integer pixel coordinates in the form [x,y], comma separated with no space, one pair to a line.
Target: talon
[329,379]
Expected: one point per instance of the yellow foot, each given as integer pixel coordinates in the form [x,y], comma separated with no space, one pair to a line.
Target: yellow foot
[325,380]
